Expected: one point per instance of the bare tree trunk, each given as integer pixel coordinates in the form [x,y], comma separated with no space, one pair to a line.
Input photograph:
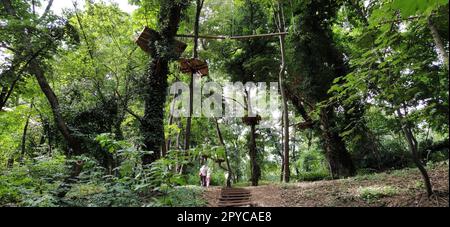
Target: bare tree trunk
[282,74]
[227,160]
[10,163]
[49,139]
[282,169]
[24,139]
[187,138]
[439,42]
[3,94]
[339,160]
[294,155]
[281,154]
[413,148]
[73,143]
[256,171]
[171,120]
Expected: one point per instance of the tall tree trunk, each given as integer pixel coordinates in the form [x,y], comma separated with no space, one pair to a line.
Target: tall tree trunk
[3,94]
[281,153]
[152,124]
[24,139]
[439,42]
[171,120]
[49,137]
[187,138]
[339,160]
[282,169]
[413,148]
[10,163]
[282,74]
[73,143]
[256,170]
[227,160]
[294,155]
[237,161]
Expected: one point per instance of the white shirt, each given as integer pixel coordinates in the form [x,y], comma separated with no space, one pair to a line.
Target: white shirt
[204,170]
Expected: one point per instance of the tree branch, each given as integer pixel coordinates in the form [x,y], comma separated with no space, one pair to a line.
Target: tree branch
[47,10]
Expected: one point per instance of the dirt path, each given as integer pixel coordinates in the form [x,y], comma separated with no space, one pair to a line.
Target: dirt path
[398,188]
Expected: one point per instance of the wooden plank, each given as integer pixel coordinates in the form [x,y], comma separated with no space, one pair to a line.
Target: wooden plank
[194,65]
[242,195]
[235,197]
[235,189]
[226,204]
[231,203]
[222,37]
[150,35]
[234,200]
[235,193]
[234,204]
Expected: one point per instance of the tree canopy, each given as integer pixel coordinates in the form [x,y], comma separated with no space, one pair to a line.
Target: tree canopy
[87,114]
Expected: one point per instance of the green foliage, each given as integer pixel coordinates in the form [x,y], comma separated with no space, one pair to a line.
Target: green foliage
[362,60]
[406,8]
[187,196]
[314,176]
[33,183]
[376,192]
[110,144]
[312,52]
[312,166]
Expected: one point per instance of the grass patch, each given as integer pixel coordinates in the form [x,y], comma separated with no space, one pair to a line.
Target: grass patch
[403,172]
[184,196]
[314,176]
[85,190]
[249,184]
[376,192]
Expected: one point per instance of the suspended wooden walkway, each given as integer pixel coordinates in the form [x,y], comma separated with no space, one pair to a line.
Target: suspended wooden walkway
[235,197]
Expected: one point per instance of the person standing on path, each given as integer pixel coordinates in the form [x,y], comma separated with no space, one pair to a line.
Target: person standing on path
[203,174]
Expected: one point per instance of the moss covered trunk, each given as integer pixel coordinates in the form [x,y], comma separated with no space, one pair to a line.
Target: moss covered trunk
[163,51]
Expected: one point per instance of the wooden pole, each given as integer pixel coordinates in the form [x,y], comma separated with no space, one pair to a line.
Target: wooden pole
[222,37]
[282,74]
[187,139]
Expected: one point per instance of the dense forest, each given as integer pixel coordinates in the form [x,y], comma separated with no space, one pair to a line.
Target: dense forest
[99,107]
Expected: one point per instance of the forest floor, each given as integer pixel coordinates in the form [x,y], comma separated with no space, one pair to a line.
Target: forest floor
[400,188]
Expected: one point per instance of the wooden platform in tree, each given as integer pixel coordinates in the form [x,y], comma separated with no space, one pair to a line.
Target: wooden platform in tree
[149,35]
[194,66]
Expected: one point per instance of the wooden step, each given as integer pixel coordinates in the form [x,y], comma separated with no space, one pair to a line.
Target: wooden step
[236,196]
[234,199]
[233,189]
[238,204]
[235,193]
